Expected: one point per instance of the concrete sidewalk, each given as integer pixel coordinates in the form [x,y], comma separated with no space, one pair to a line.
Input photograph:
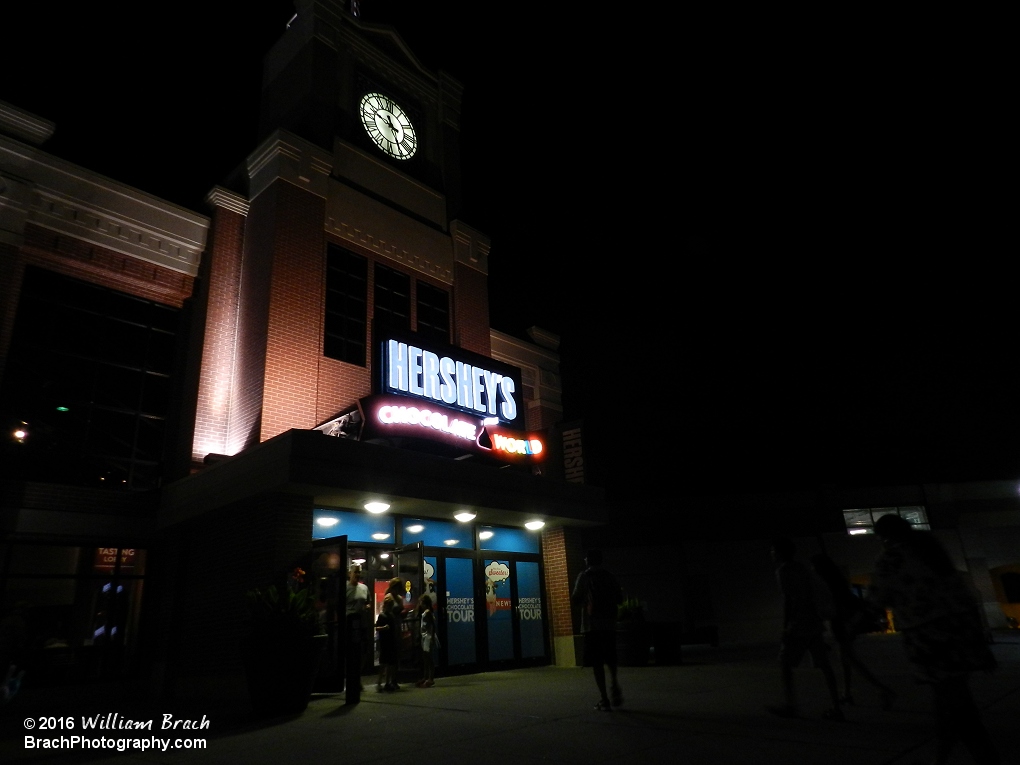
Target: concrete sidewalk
[710,710]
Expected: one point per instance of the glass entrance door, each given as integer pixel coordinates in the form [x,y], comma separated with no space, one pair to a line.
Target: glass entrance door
[409,568]
[513,610]
[529,611]
[327,578]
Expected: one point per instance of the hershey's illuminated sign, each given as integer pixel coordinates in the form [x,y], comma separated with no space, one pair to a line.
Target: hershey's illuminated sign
[450,377]
[385,416]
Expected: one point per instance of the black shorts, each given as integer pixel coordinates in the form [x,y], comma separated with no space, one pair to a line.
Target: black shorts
[599,648]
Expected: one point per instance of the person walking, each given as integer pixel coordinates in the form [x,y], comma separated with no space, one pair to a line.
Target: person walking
[396,590]
[386,626]
[935,610]
[806,606]
[429,642]
[356,598]
[598,594]
[850,613]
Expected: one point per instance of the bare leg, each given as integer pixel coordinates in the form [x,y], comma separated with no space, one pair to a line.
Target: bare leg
[830,681]
[845,660]
[958,719]
[614,686]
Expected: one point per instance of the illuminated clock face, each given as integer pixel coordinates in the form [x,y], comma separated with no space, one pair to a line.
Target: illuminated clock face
[388,126]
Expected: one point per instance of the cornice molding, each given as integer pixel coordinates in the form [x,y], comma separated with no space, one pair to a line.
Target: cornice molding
[228,200]
[71,200]
[24,125]
[285,156]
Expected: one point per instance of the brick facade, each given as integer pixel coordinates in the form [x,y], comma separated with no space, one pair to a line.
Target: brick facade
[471,310]
[296,300]
[216,332]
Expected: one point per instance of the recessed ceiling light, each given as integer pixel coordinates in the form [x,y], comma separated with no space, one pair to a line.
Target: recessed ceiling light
[416,528]
[327,521]
[485,535]
[451,542]
[377,507]
[380,536]
[465,517]
[534,525]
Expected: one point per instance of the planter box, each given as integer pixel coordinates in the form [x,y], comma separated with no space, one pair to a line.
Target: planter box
[633,643]
[281,673]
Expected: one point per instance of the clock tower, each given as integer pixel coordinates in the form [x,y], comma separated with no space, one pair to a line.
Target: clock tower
[352,88]
[341,225]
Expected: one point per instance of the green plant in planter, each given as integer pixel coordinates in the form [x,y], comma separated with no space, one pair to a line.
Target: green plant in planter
[283,647]
[633,639]
[630,610]
[282,613]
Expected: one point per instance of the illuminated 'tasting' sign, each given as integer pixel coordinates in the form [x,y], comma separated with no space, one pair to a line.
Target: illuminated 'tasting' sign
[468,387]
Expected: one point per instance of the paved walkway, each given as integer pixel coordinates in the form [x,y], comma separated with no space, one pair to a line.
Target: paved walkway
[707,711]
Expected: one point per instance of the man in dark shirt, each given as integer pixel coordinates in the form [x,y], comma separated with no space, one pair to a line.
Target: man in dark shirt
[598,594]
[804,615]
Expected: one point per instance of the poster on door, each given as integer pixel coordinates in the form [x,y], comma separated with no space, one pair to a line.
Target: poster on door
[498,609]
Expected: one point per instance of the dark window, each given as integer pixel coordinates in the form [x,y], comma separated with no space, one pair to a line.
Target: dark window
[862,520]
[346,306]
[392,299]
[88,379]
[433,313]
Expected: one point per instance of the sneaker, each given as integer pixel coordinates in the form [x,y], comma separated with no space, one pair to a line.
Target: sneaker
[429,683]
[603,706]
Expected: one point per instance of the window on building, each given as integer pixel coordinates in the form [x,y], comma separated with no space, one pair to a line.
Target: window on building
[862,520]
[88,381]
[433,312]
[392,299]
[82,605]
[345,325]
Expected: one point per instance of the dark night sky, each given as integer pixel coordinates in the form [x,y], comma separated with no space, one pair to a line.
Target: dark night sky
[773,247]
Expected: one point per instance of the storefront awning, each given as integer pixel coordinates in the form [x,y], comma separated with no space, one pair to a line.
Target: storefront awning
[337,472]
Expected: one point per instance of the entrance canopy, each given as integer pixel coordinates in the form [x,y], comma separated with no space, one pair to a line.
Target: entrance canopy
[338,472]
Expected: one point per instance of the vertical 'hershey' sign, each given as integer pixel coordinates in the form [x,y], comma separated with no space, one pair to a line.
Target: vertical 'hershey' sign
[573,456]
